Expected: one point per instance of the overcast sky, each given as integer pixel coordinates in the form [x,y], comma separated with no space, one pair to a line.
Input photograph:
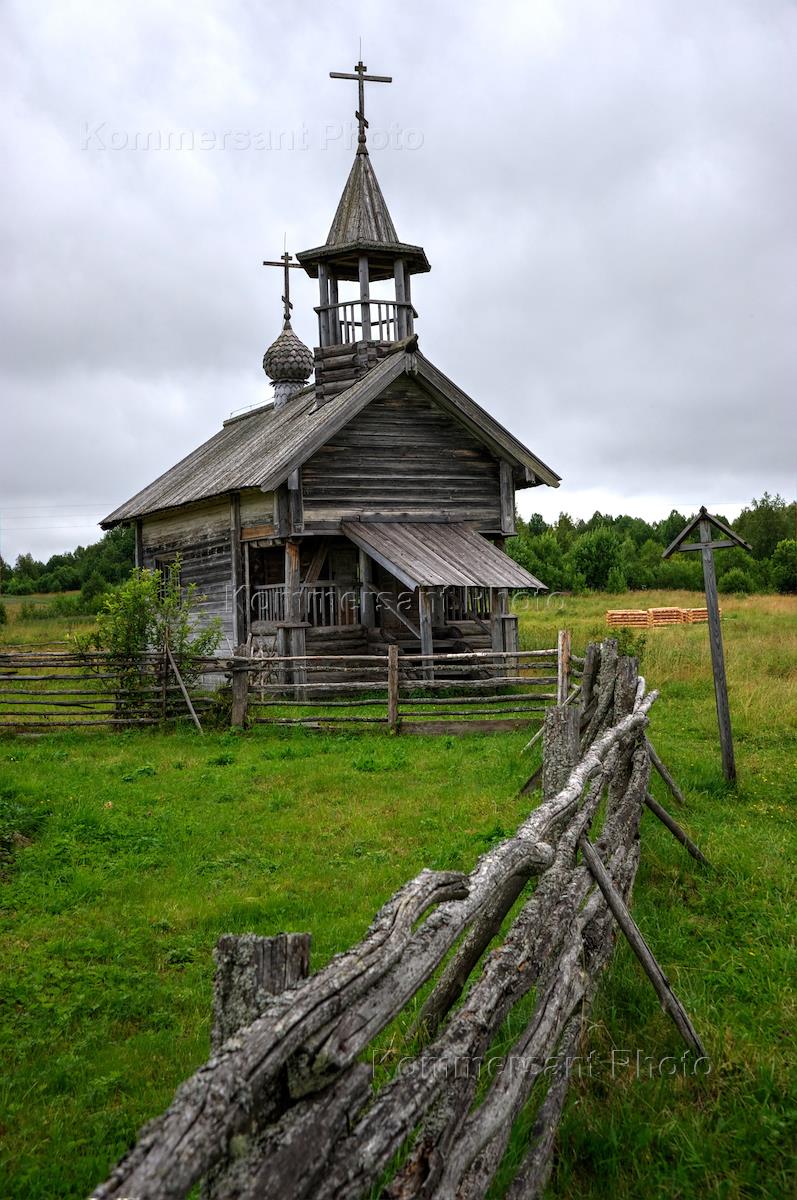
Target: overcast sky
[605,190]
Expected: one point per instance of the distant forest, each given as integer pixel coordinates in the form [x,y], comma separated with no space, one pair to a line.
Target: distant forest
[605,553]
[615,554]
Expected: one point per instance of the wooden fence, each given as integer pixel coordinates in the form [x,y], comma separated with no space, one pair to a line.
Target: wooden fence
[54,689]
[387,1072]
[483,691]
[408,693]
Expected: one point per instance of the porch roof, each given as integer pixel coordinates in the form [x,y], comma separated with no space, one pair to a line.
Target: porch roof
[437,554]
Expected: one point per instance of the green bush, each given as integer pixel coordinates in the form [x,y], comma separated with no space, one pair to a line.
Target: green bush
[3,614]
[736,581]
[784,566]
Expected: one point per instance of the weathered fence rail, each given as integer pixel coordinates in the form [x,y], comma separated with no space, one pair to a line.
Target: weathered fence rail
[410,693]
[63,690]
[288,1105]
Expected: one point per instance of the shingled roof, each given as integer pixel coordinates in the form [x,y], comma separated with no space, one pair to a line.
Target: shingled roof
[362,223]
[261,448]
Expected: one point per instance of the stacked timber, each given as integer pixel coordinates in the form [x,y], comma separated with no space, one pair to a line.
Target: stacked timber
[667,616]
[652,618]
[627,617]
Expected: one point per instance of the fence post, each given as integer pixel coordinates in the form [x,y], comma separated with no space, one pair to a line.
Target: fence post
[562,666]
[248,968]
[240,691]
[561,747]
[392,688]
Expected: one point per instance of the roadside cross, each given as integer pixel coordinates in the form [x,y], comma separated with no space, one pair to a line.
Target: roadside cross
[704,522]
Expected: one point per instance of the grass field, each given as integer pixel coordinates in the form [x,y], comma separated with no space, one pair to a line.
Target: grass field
[125,856]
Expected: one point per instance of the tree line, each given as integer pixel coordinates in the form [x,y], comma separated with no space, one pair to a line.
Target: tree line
[611,554]
[617,554]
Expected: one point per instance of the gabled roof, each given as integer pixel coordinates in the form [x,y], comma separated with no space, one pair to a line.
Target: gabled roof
[260,449]
[731,538]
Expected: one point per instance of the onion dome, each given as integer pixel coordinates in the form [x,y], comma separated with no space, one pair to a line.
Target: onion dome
[288,364]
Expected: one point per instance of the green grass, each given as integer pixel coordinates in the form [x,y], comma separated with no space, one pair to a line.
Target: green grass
[123,858]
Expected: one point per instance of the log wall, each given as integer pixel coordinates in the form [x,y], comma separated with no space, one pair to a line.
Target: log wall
[402,456]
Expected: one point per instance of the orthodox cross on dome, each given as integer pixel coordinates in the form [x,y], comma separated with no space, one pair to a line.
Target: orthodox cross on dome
[362,79]
[287,265]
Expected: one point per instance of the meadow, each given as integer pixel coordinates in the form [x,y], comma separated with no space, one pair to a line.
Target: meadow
[124,856]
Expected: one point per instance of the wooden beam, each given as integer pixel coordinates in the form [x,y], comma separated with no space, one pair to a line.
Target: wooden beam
[427,640]
[236,572]
[282,511]
[365,299]
[507,498]
[367,605]
[725,544]
[717,654]
[139,527]
[323,316]
[295,501]
[253,533]
[669,1001]
[401,312]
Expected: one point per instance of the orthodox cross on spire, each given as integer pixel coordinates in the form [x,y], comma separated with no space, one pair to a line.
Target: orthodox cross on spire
[362,79]
[286,264]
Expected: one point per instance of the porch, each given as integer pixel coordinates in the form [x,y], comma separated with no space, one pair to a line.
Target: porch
[427,587]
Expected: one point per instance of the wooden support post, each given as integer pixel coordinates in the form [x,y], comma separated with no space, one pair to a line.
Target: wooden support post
[183,689]
[393,688]
[248,970]
[365,299]
[659,766]
[410,328]
[239,613]
[293,595]
[240,692]
[247,590]
[367,599]
[675,828]
[139,527]
[561,748]
[507,495]
[669,1001]
[334,317]
[282,511]
[295,501]
[562,666]
[497,609]
[323,315]
[717,654]
[401,311]
[427,641]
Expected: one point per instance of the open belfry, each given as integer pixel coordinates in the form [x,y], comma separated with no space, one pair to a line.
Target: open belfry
[366,507]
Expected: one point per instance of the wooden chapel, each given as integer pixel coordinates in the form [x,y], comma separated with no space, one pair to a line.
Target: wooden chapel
[367,506]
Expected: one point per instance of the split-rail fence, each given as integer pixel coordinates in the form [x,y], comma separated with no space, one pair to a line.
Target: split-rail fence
[477,691]
[289,1105]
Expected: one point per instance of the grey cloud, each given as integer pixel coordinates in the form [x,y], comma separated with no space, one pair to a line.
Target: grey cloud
[605,191]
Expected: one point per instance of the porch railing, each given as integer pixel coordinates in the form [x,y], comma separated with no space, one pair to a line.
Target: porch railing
[321,604]
[358,320]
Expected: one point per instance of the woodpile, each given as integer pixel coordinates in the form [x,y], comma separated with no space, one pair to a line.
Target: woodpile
[285,1106]
[653,618]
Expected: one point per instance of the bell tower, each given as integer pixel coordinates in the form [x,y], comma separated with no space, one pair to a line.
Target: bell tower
[362,249]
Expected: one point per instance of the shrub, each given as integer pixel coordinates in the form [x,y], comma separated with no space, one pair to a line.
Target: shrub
[3,614]
[784,566]
[737,581]
[150,612]
[616,580]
